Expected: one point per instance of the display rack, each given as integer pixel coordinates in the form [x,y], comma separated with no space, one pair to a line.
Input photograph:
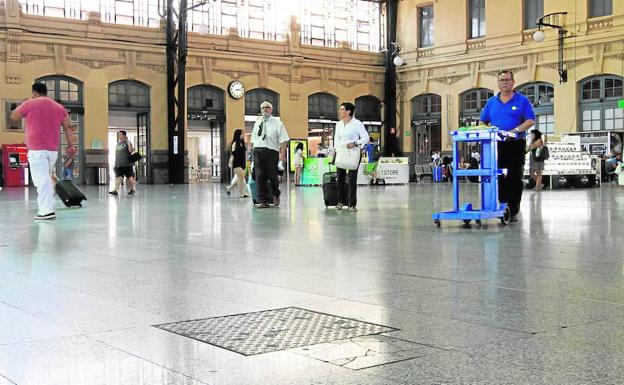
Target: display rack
[566,167]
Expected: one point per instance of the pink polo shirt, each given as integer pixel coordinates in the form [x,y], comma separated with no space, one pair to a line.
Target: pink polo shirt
[43,118]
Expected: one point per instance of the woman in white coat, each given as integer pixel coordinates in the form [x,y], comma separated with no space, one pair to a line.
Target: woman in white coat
[349,133]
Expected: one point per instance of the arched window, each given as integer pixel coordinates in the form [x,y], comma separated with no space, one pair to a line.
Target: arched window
[206,98]
[368,108]
[426,105]
[322,118]
[598,103]
[322,106]
[426,125]
[128,94]
[471,104]
[254,98]
[542,97]
[63,89]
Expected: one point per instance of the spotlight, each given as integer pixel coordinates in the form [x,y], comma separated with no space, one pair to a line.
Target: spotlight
[398,61]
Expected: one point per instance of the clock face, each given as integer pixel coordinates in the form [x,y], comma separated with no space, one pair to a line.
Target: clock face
[236,89]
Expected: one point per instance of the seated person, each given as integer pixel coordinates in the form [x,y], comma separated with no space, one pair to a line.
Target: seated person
[611,164]
[321,152]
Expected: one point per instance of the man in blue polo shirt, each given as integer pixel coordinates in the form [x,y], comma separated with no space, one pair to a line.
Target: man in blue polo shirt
[510,111]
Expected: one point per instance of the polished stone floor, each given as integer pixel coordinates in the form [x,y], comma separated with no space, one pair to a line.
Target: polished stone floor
[540,301]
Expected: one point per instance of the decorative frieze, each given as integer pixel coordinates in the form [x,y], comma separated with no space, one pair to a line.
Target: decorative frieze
[158,68]
[96,64]
[598,25]
[285,78]
[527,37]
[425,53]
[449,79]
[476,45]
[31,58]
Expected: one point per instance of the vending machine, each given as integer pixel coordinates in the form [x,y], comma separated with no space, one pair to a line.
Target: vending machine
[15,165]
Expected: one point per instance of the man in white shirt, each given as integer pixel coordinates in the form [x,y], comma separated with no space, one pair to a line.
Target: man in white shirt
[269,139]
[350,133]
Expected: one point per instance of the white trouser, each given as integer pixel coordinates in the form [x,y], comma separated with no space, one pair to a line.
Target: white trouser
[42,165]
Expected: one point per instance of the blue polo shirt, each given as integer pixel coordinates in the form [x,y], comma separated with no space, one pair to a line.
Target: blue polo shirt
[510,115]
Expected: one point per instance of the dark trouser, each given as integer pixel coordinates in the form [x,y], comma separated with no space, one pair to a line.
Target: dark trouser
[265,168]
[348,197]
[511,157]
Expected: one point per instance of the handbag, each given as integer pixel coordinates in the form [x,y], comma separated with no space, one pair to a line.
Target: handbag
[135,157]
[347,158]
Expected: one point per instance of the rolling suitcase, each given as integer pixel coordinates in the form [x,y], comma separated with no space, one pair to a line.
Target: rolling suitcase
[69,193]
[437,173]
[253,189]
[330,189]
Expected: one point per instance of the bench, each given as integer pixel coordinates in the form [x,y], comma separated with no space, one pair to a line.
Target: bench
[423,170]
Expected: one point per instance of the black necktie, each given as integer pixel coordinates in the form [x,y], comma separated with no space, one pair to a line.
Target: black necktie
[260,129]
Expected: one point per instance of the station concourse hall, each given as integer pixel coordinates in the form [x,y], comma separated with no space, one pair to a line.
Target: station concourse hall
[173,271]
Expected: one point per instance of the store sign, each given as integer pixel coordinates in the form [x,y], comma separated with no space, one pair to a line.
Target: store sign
[621,103]
[393,173]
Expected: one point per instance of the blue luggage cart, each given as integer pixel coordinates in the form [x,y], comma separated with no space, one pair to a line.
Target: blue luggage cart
[490,207]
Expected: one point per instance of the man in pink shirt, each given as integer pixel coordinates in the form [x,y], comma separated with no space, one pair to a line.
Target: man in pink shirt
[43,118]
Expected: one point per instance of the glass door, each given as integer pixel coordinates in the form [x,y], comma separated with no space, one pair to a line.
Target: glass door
[215,152]
[142,146]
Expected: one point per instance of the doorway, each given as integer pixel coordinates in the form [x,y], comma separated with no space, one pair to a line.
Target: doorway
[206,142]
[136,126]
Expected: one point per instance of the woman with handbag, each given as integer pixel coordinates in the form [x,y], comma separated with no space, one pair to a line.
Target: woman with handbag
[536,159]
[350,137]
[238,164]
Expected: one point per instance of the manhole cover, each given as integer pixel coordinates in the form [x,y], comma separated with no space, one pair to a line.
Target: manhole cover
[273,330]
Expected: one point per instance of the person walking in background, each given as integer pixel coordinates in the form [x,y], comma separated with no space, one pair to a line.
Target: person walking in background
[269,139]
[536,162]
[123,165]
[350,133]
[238,149]
[510,111]
[321,152]
[68,166]
[298,162]
[370,150]
[44,118]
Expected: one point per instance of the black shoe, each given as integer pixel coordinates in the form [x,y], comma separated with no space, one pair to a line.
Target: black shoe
[114,192]
[45,217]
[131,192]
[262,205]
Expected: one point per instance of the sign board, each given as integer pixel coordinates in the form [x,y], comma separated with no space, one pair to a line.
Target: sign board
[313,170]
[393,173]
[97,144]
[621,103]
[597,149]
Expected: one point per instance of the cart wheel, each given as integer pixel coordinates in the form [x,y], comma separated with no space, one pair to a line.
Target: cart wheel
[478,222]
[506,216]
[437,223]
[466,221]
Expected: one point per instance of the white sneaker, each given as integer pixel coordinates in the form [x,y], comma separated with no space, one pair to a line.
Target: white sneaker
[45,217]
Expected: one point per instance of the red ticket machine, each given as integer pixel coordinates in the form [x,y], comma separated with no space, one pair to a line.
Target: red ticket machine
[15,165]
